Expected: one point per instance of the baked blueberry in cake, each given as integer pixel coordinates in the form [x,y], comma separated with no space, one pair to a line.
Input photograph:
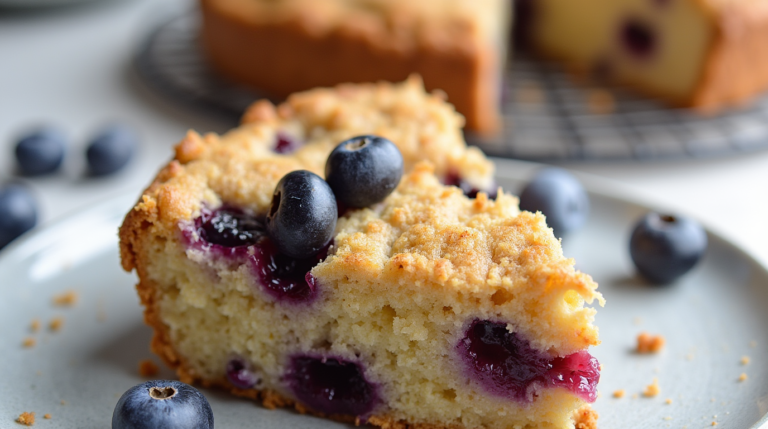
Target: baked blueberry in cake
[425,308]
[706,54]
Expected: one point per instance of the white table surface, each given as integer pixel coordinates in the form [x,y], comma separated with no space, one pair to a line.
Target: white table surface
[70,67]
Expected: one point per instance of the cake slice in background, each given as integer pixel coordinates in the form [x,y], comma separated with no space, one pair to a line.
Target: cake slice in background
[429,309]
[284,46]
[705,54]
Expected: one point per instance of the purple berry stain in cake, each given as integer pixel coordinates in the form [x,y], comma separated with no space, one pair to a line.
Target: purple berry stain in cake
[286,277]
[241,373]
[229,228]
[454,179]
[285,144]
[638,38]
[233,233]
[331,385]
[506,365]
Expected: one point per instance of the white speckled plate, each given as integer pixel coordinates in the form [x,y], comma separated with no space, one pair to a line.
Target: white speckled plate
[711,318]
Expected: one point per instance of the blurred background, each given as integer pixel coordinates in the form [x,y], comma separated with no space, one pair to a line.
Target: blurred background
[132,71]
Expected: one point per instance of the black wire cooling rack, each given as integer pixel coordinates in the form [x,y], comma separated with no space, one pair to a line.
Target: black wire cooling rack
[547,117]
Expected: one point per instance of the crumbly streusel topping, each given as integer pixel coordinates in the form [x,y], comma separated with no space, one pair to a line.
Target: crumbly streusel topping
[242,168]
[405,24]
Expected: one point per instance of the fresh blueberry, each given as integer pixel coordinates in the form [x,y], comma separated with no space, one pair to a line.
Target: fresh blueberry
[363,170]
[111,150]
[41,152]
[664,247]
[18,212]
[303,214]
[560,197]
[163,404]
[331,386]
[242,374]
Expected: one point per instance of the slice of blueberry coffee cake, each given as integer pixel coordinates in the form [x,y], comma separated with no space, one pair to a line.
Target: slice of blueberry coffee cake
[424,308]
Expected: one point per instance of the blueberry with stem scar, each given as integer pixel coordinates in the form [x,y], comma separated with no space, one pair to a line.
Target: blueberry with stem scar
[166,404]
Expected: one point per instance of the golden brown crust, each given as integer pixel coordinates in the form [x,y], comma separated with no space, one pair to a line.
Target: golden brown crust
[297,51]
[736,68]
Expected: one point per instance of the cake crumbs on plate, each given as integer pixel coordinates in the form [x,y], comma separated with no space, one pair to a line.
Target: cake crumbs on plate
[56,323]
[714,423]
[63,402]
[753,344]
[745,360]
[743,377]
[668,418]
[65,299]
[29,342]
[647,343]
[26,419]
[34,326]
[668,401]
[147,368]
[619,393]
[652,389]
[585,418]
[47,416]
